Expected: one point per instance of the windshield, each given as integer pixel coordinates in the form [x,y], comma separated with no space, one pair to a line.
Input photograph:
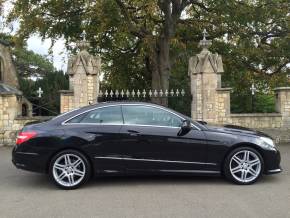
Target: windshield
[199,124]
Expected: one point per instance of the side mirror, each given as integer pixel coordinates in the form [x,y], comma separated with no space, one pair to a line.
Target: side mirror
[185,127]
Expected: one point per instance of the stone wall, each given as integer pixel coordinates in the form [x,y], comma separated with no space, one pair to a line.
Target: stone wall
[211,102]
[11,120]
[280,119]
[257,121]
[9,133]
[9,107]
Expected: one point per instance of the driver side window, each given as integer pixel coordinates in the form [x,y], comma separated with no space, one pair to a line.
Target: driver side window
[146,115]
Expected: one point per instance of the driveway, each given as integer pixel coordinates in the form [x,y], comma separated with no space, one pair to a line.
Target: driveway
[25,194]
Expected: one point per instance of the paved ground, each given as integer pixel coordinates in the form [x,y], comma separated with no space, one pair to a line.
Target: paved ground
[25,194]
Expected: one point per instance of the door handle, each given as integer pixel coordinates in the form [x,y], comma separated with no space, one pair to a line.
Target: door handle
[133,132]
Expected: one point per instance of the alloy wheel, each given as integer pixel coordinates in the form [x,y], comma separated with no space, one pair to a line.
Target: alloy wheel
[245,166]
[69,170]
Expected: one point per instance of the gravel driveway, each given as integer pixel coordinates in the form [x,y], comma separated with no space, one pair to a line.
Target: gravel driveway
[25,194]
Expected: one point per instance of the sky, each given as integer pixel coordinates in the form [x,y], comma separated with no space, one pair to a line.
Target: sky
[59,56]
[36,44]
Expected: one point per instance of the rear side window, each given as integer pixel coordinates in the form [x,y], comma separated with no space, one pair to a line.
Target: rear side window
[105,115]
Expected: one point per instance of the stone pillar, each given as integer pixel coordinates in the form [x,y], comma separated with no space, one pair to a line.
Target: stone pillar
[283,104]
[83,70]
[205,74]
[7,68]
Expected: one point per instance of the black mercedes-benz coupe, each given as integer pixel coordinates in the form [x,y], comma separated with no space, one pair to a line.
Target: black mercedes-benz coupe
[121,138]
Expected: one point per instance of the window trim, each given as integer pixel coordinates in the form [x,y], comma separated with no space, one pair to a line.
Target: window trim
[64,123]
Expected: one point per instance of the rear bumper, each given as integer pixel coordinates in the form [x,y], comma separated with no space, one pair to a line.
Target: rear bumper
[29,161]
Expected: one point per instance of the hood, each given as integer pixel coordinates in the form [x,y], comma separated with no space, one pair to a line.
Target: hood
[233,129]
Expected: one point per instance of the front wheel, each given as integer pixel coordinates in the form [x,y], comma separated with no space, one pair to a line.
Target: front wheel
[243,166]
[69,169]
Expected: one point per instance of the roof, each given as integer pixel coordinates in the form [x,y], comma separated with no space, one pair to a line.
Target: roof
[7,89]
[74,112]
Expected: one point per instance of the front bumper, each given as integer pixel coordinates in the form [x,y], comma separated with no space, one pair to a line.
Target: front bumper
[279,170]
[272,160]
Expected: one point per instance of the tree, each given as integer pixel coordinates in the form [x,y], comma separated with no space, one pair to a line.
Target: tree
[30,64]
[34,71]
[253,36]
[27,63]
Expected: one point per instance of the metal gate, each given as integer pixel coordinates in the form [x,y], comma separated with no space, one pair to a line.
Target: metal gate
[41,109]
[178,100]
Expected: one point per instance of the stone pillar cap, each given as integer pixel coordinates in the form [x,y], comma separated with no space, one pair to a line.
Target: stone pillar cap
[204,43]
[282,89]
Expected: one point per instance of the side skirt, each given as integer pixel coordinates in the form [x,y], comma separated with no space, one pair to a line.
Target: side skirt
[161,172]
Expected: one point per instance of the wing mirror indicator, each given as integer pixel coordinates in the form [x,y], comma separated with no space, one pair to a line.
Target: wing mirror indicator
[185,127]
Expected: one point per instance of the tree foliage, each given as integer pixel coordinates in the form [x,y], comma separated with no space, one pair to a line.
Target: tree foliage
[146,43]
[30,64]
[27,63]
[35,71]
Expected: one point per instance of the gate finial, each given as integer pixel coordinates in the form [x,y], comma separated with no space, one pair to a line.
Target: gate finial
[204,43]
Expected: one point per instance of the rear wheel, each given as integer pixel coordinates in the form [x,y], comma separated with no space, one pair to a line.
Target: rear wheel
[243,166]
[69,169]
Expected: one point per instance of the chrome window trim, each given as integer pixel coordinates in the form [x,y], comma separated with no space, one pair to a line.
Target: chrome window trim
[64,113]
[115,124]
[92,109]
[153,160]
[115,105]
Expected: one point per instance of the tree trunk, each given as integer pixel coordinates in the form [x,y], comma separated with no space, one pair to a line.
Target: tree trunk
[160,69]
[160,60]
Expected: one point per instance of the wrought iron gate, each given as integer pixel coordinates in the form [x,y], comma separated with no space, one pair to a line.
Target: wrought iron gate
[41,109]
[178,100]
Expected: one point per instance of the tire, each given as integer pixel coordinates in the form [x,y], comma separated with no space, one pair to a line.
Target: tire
[243,166]
[69,169]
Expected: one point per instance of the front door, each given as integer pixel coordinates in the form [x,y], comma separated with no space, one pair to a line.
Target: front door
[151,141]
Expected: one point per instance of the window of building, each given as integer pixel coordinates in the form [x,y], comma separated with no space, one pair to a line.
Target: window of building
[24,110]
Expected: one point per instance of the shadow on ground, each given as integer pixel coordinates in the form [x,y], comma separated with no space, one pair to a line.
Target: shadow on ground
[39,181]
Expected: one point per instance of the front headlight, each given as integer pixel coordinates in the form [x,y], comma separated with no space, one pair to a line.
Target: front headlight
[267,143]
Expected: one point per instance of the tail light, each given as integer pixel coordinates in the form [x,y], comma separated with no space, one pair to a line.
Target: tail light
[25,136]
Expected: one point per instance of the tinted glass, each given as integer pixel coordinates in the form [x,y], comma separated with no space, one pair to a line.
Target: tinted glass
[106,115]
[146,115]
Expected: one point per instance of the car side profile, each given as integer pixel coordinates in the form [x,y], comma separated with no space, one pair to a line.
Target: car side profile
[133,138]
